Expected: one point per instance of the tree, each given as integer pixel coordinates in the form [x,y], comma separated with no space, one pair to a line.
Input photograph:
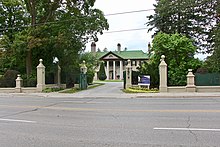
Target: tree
[57,29]
[101,74]
[179,51]
[212,63]
[13,17]
[92,63]
[192,18]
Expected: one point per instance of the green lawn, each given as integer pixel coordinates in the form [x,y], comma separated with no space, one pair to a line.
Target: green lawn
[74,90]
[109,81]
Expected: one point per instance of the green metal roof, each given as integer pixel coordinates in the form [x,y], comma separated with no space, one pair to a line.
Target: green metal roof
[132,54]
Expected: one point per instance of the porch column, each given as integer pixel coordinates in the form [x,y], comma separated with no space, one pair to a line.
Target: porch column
[114,71]
[107,70]
[121,70]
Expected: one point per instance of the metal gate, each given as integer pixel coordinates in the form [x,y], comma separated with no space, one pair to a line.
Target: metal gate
[207,79]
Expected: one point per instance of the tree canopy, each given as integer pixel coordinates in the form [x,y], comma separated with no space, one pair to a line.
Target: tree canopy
[193,18]
[179,52]
[47,29]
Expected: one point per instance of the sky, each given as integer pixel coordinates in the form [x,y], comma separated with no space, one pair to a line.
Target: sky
[132,40]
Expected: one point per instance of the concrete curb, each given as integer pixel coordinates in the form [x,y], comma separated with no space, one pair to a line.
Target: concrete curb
[124,95]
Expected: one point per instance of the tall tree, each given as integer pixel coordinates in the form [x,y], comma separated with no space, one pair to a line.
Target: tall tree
[212,63]
[13,17]
[179,51]
[192,18]
[58,28]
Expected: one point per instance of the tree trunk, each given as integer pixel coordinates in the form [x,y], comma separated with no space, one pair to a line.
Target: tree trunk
[29,63]
[32,9]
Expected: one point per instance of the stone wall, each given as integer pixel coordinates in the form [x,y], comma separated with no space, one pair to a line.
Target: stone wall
[190,87]
[40,82]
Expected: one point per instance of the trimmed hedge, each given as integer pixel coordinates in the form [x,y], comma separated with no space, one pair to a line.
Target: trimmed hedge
[101,74]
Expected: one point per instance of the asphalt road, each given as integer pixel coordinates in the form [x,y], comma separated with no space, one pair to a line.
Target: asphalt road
[27,121]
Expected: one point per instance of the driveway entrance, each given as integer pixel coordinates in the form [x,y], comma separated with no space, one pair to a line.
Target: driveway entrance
[109,89]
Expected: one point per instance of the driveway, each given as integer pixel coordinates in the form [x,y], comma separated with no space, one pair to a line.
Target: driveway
[110,89]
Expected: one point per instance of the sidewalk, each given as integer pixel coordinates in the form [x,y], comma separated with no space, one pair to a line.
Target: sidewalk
[115,95]
[113,90]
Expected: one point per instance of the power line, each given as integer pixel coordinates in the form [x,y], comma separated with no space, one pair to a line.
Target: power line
[82,17]
[119,31]
[121,13]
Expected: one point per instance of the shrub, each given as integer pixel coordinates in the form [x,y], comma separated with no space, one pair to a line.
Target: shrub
[30,81]
[90,76]
[101,74]
[8,80]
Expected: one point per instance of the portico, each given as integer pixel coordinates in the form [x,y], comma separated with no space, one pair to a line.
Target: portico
[114,69]
[116,61]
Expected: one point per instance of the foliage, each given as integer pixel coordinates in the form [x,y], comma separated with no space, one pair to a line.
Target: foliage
[74,90]
[92,63]
[48,29]
[179,51]
[52,89]
[101,74]
[8,80]
[149,69]
[212,63]
[29,81]
[192,18]
[90,76]
[140,90]
[71,90]
[12,18]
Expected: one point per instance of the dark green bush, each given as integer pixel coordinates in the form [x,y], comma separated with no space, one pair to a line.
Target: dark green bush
[30,81]
[90,76]
[101,74]
[8,80]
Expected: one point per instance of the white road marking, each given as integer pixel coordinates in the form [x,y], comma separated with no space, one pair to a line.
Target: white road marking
[17,120]
[188,129]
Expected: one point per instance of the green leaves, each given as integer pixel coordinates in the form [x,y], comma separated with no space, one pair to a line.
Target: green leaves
[179,51]
[47,29]
[192,18]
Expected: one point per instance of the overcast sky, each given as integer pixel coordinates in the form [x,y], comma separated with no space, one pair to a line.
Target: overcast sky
[131,39]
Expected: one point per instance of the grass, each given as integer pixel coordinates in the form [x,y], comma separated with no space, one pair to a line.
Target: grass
[74,90]
[109,81]
[71,90]
[52,89]
[140,90]
[94,85]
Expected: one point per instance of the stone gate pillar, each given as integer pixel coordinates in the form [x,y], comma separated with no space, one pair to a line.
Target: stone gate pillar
[19,84]
[190,87]
[40,76]
[128,75]
[163,75]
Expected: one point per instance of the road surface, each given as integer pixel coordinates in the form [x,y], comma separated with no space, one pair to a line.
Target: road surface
[109,122]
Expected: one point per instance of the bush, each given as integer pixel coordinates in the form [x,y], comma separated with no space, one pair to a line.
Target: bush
[30,81]
[90,76]
[8,80]
[101,74]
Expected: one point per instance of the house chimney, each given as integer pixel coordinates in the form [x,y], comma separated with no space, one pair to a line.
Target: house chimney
[119,47]
[93,47]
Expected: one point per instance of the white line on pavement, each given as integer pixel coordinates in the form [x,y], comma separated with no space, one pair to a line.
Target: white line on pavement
[188,129]
[17,120]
